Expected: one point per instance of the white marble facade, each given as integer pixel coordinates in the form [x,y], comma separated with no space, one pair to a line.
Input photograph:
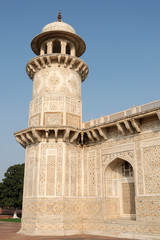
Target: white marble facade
[100,177]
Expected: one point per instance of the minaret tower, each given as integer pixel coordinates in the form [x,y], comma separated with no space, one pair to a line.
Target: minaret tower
[53,139]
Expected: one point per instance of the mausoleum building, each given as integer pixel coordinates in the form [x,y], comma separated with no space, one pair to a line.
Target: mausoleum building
[100,177]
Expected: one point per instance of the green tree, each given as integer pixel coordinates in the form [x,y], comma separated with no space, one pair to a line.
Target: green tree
[11,188]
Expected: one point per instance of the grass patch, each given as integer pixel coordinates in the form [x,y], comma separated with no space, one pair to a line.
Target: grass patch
[11,220]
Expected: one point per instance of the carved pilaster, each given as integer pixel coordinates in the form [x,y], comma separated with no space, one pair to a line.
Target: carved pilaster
[63,47]
[49,47]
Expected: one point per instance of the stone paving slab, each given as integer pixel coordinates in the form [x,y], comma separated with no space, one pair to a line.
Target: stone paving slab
[8,231]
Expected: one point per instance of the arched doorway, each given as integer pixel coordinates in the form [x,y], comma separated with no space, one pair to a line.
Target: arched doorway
[120,186]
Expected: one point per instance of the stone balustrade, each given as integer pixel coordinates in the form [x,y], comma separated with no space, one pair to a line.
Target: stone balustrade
[120,115]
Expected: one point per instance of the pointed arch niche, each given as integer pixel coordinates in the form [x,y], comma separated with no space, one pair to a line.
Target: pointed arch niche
[120,189]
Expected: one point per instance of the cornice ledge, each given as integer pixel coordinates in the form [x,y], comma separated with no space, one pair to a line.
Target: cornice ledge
[77,136]
[38,134]
[62,60]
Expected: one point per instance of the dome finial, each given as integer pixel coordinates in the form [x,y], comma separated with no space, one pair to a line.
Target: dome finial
[59,16]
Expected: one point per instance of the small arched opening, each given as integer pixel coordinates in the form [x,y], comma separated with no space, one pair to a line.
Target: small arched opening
[45,48]
[68,49]
[56,46]
[120,189]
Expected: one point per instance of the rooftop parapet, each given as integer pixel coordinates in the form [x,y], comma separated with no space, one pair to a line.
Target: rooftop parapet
[123,114]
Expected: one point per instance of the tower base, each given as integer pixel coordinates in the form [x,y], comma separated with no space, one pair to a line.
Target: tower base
[78,216]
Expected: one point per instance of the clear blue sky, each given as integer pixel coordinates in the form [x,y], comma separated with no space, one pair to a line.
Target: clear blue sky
[123,55]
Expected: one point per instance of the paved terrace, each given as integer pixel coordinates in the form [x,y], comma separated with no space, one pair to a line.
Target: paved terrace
[8,231]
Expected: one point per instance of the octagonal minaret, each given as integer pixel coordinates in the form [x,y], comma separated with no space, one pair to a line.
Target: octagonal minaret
[53,137]
[57,73]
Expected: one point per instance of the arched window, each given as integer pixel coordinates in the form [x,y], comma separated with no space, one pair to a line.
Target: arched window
[45,49]
[56,47]
[127,170]
[68,49]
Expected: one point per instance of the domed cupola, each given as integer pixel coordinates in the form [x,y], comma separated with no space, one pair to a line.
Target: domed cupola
[58,37]
[57,45]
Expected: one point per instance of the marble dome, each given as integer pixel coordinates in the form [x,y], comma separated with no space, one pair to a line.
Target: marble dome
[58,26]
